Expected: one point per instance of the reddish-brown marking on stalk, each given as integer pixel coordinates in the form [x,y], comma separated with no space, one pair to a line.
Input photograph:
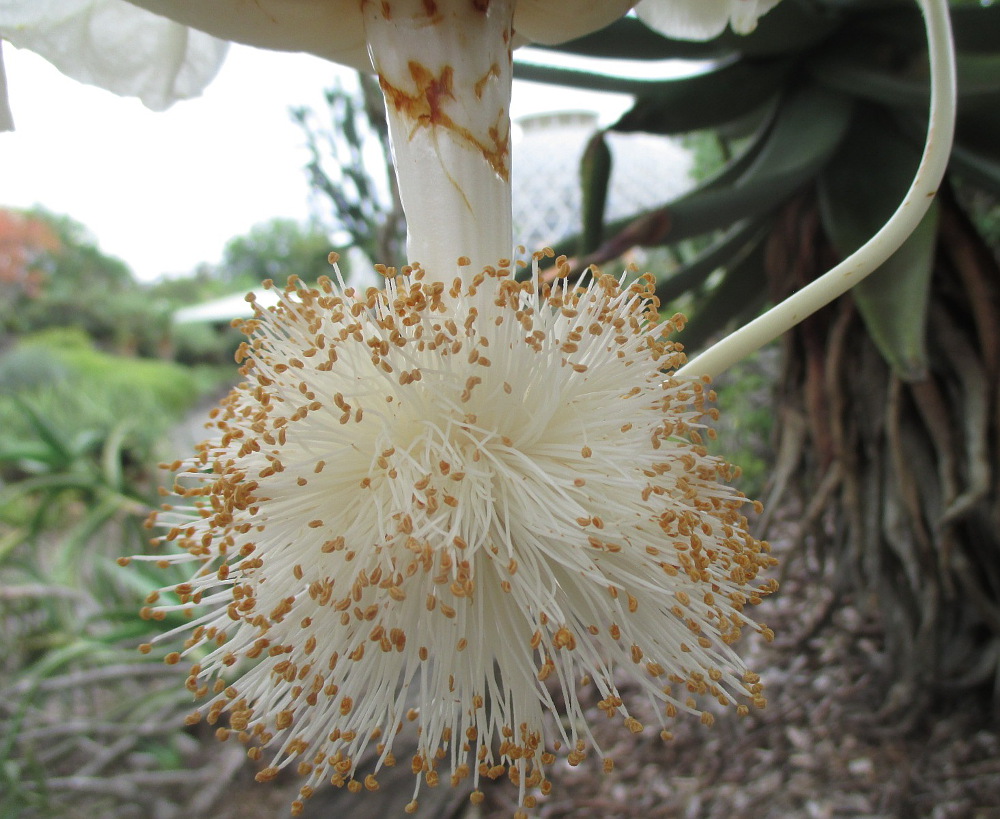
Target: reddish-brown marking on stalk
[426,108]
[480,85]
[433,13]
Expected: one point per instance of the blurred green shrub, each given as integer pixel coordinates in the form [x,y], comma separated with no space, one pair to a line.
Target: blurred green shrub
[79,388]
[202,343]
[746,420]
[30,368]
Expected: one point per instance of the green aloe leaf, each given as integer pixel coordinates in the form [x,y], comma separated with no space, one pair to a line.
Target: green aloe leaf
[629,38]
[858,192]
[589,80]
[113,455]
[77,649]
[852,67]
[10,540]
[50,483]
[629,232]
[787,29]
[595,176]
[739,294]
[706,100]
[804,133]
[731,245]
[35,452]
[975,27]
[808,127]
[73,547]
[982,171]
[894,300]
[60,450]
[979,131]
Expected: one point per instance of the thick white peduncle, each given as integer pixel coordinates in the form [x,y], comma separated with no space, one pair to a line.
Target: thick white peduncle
[882,245]
[445,68]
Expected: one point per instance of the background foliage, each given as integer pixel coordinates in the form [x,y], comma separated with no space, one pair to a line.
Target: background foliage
[88,399]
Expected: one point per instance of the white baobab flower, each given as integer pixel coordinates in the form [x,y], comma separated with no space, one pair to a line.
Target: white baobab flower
[436,501]
[454,501]
[114,45]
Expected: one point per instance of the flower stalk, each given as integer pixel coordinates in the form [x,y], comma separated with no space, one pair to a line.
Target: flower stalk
[866,259]
[445,68]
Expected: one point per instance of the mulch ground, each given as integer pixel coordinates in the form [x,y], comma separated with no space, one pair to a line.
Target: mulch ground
[823,748]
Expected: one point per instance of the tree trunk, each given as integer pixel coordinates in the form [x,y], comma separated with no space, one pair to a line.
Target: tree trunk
[900,479]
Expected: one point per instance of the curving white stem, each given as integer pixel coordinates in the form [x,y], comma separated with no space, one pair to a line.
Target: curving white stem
[445,68]
[882,245]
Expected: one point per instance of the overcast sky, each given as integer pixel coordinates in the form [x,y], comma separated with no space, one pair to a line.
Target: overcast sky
[165,191]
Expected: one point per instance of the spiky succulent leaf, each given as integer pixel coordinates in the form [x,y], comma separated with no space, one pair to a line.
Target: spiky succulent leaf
[706,100]
[795,145]
[858,192]
[595,176]
[855,51]
[739,294]
[732,244]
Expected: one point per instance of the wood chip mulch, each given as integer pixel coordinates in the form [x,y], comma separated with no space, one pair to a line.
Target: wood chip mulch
[824,747]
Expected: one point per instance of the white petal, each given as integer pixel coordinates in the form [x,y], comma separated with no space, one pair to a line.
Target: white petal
[114,45]
[332,29]
[6,119]
[747,13]
[701,19]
